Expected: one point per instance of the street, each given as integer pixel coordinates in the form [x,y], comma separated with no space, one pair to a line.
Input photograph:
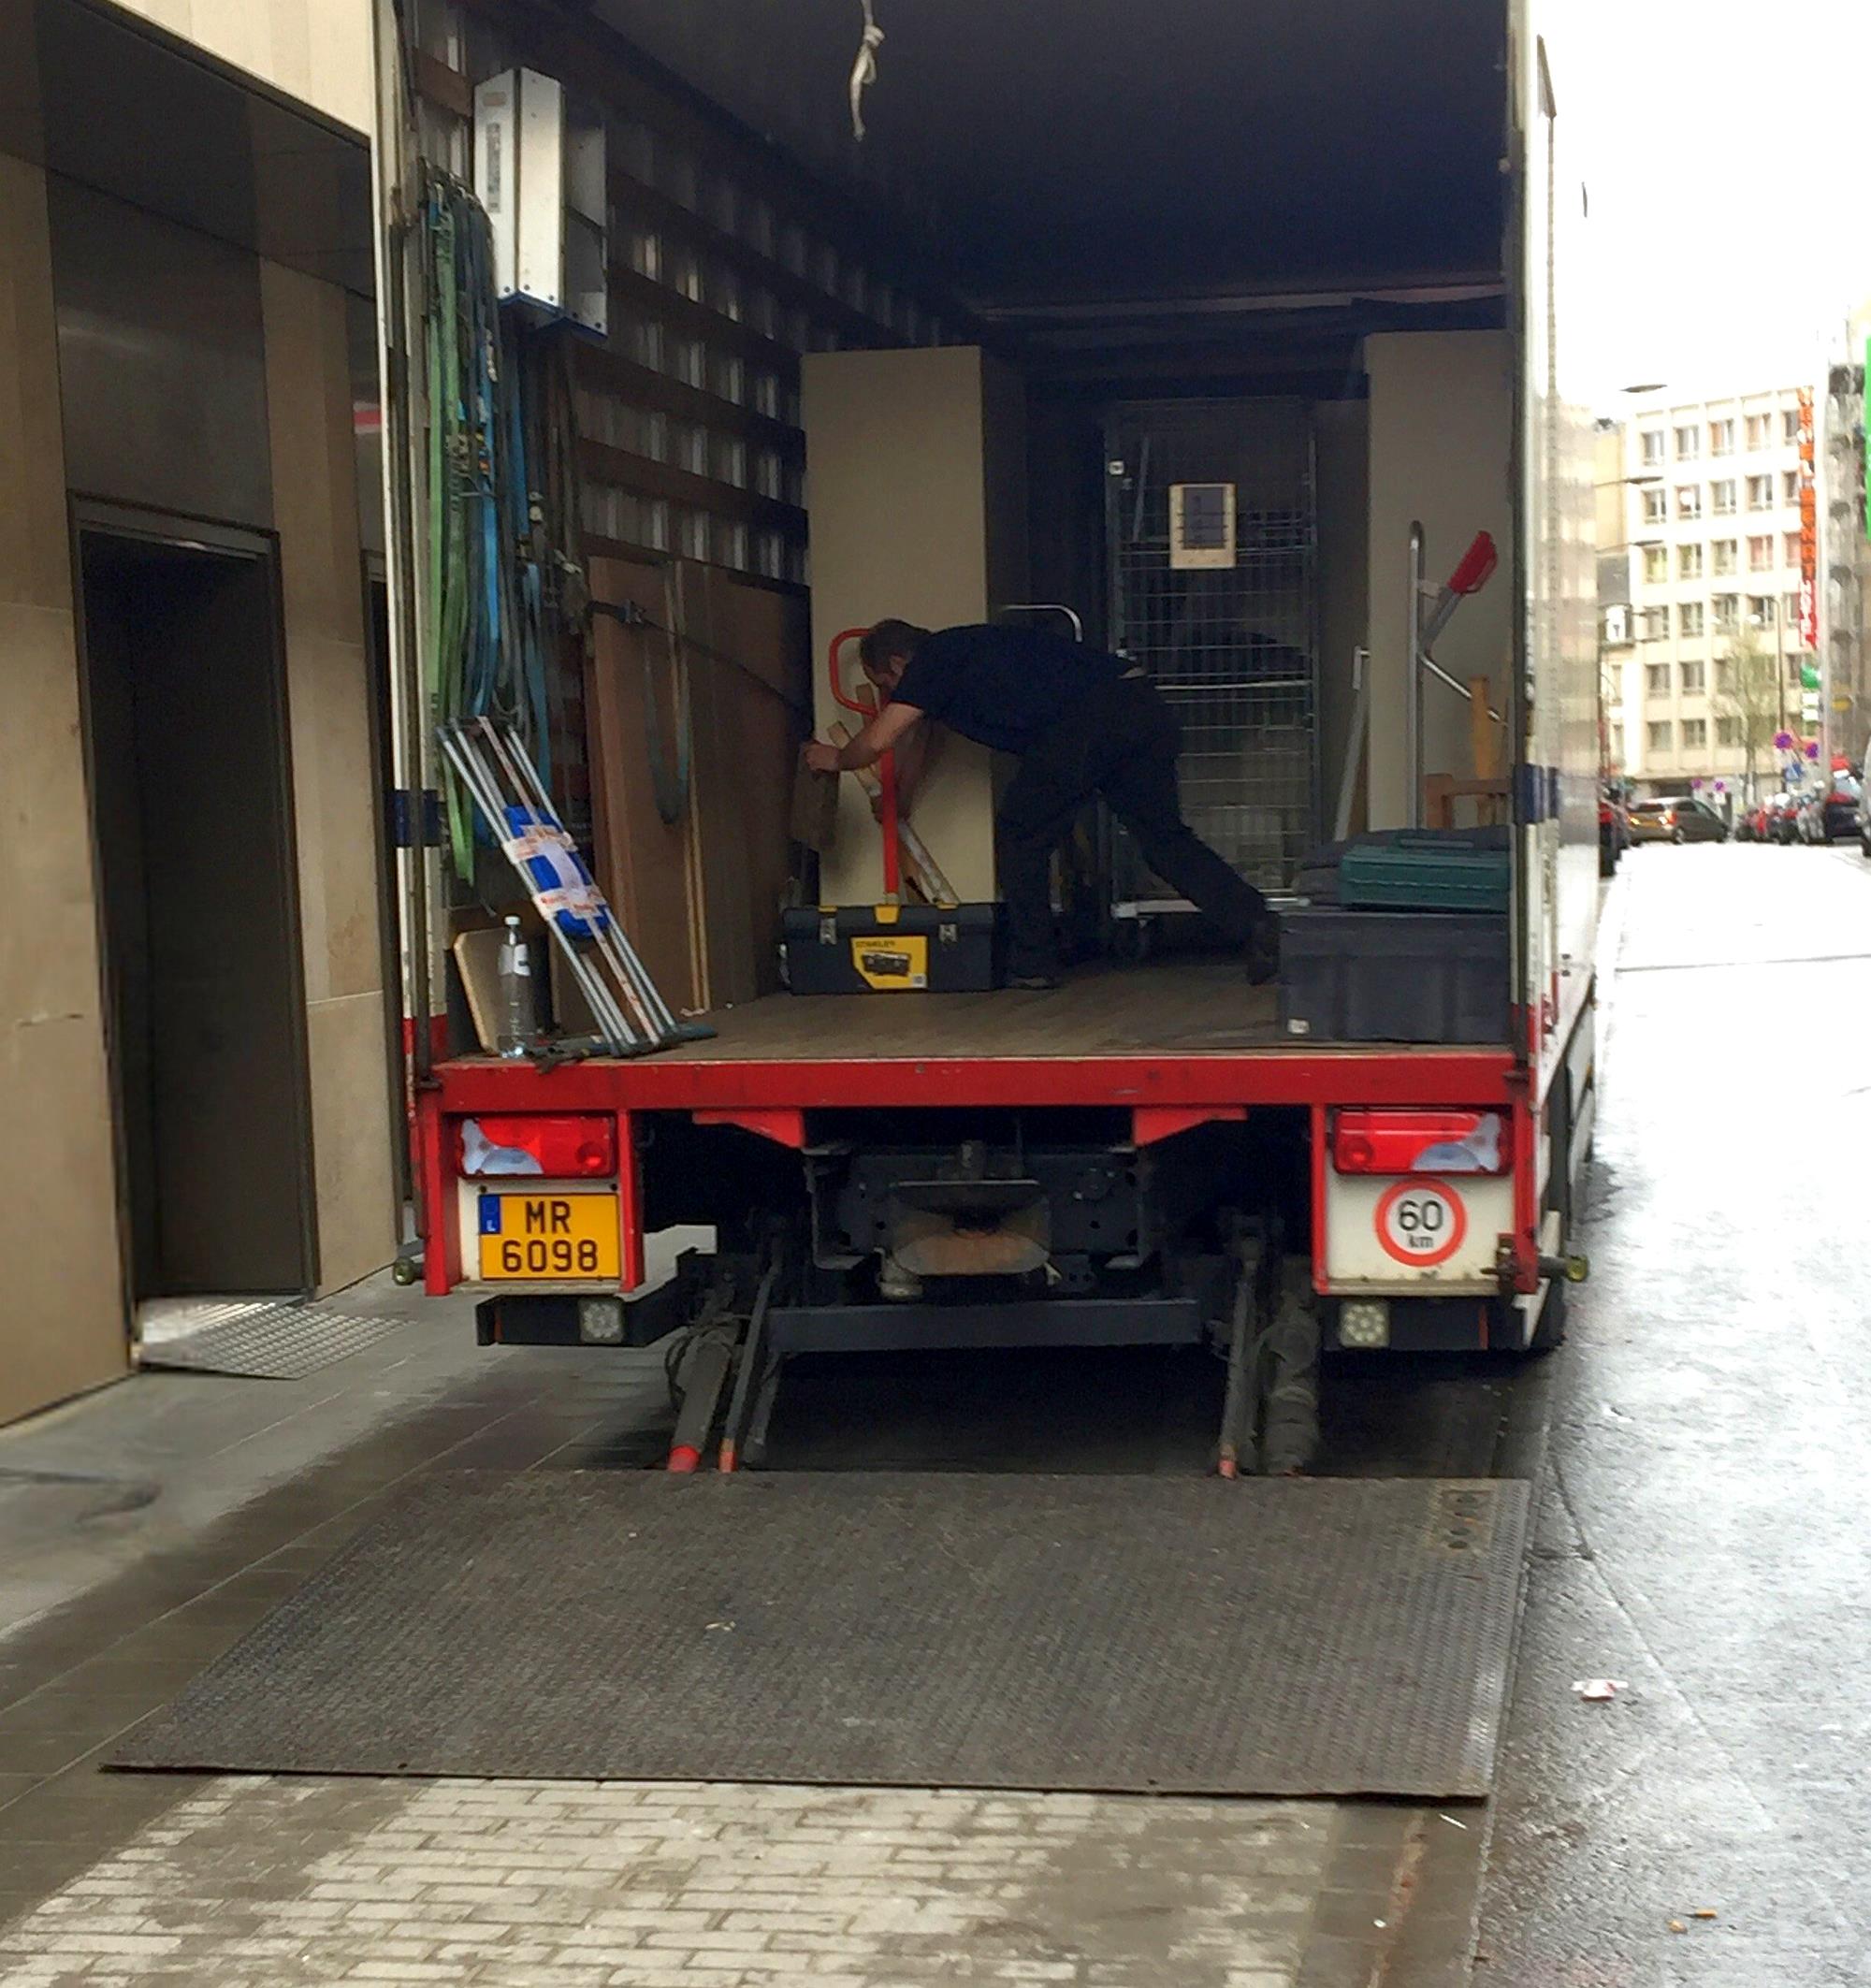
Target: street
[1699,1448]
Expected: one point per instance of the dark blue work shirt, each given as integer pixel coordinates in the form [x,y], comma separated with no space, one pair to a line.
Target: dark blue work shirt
[1003,686]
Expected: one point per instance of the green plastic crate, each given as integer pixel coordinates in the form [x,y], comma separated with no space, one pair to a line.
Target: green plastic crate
[1424,874]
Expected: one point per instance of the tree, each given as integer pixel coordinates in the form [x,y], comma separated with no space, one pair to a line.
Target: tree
[1748,689]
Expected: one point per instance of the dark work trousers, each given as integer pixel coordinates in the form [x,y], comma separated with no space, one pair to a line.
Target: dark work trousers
[1120,741]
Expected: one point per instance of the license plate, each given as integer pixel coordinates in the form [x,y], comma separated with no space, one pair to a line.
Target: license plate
[546,1236]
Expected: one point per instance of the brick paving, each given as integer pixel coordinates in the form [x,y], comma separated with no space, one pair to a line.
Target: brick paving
[525,1884]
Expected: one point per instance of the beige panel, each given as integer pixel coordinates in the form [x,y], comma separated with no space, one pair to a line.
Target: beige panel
[1341,442]
[350,1139]
[898,486]
[1441,426]
[64,1326]
[315,51]
[329,692]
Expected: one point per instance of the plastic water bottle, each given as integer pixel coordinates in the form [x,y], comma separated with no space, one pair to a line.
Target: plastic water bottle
[518,1022]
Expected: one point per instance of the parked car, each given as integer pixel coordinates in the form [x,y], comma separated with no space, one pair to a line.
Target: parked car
[1614,829]
[1675,818]
[1831,813]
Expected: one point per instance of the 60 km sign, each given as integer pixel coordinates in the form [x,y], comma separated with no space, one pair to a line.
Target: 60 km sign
[1421,1221]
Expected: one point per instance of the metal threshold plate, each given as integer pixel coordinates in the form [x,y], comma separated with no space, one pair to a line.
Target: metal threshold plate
[1152,1634]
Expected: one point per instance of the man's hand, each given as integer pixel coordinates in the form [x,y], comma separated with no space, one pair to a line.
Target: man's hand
[821,757]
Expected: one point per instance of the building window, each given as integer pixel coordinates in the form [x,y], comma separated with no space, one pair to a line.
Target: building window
[1760,430]
[1655,506]
[1760,493]
[1760,554]
[1728,732]
[1653,446]
[1790,611]
[1797,670]
[1727,613]
[1724,677]
[1689,622]
[1661,735]
[1721,497]
[1790,424]
[1695,733]
[1688,562]
[1727,554]
[1657,679]
[1695,675]
[1791,549]
[1759,611]
[1790,486]
[1689,500]
[1722,438]
[1656,565]
[1689,443]
[1656,624]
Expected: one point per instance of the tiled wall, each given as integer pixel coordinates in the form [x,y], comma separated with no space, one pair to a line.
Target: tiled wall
[62,1328]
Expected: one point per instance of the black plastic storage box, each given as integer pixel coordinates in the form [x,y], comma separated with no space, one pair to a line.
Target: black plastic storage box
[893,949]
[1394,976]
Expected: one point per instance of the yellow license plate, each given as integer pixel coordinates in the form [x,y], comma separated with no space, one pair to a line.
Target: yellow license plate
[550,1236]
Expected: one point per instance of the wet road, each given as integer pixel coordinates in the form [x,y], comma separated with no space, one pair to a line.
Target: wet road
[1703,1529]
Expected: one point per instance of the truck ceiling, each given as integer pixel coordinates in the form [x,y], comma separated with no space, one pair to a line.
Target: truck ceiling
[1097,150]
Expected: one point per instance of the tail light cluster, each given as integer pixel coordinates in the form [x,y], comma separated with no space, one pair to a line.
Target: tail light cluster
[575,1147]
[1420,1142]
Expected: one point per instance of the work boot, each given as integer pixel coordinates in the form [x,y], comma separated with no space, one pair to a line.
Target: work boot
[1263,953]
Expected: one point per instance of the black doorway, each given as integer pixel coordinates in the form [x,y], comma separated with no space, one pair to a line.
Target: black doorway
[191,811]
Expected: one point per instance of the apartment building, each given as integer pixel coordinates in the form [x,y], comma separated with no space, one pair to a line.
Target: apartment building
[1707,495]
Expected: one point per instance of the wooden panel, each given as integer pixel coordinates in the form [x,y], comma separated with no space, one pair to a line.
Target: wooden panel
[642,860]
[954,551]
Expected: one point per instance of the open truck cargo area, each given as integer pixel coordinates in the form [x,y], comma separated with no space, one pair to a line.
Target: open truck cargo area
[1221,341]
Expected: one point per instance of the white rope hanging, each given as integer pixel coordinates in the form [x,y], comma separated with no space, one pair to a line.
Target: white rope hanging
[864,70]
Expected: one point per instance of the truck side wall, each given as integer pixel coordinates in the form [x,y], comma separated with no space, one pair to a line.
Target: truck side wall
[1556,552]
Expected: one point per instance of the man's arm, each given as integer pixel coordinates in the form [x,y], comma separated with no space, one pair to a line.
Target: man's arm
[914,758]
[877,739]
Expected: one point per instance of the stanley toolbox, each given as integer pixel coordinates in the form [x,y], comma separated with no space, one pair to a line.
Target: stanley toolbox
[889,948]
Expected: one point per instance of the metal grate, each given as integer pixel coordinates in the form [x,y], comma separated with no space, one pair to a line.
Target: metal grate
[1233,647]
[266,1339]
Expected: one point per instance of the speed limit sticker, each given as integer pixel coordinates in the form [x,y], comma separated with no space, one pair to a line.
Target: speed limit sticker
[1421,1221]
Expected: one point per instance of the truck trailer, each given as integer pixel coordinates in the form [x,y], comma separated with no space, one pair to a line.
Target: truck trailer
[1229,338]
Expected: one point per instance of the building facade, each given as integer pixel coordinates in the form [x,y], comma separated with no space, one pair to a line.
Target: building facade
[1703,499]
[196,1008]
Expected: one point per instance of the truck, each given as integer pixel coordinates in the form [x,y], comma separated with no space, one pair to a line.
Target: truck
[1261,310]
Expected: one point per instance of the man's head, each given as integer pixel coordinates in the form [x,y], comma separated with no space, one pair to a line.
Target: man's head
[884,651]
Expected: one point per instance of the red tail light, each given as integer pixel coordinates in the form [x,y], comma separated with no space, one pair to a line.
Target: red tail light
[1419,1143]
[582,1148]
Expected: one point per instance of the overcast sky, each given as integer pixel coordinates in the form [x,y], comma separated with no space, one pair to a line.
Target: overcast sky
[1728,152]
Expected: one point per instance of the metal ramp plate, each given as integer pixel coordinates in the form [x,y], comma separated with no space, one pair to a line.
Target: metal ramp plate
[1152,1634]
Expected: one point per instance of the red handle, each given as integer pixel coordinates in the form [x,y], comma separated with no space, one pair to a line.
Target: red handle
[1477,566]
[838,642]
